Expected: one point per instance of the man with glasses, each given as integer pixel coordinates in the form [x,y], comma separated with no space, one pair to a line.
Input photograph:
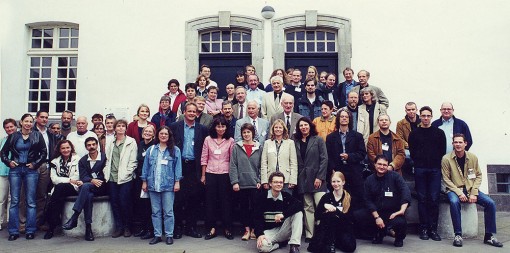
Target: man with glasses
[427,145]
[278,217]
[452,125]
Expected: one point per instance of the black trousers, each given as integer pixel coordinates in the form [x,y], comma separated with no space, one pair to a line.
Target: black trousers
[365,221]
[56,203]
[333,229]
[189,198]
[218,196]
[247,205]
[141,207]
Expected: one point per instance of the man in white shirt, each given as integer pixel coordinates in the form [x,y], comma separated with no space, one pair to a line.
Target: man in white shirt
[206,71]
[78,137]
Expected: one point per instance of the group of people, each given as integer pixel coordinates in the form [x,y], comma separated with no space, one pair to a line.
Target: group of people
[290,156]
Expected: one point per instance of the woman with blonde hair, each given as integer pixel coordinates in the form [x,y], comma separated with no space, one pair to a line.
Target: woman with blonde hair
[336,228]
[135,128]
[312,73]
[279,154]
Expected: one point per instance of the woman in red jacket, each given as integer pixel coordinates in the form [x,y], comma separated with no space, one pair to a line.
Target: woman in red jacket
[135,128]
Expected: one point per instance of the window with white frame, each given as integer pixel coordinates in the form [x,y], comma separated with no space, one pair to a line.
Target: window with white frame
[317,41]
[53,69]
[225,42]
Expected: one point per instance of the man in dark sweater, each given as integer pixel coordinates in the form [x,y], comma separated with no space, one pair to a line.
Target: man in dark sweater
[387,197]
[278,217]
[427,145]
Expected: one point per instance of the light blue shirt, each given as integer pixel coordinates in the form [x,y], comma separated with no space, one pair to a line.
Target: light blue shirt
[256,95]
[157,171]
[447,128]
[189,142]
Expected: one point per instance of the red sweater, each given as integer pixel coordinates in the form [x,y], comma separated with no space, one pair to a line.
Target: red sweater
[132,130]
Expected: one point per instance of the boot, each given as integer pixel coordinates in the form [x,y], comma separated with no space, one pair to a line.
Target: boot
[89,236]
[72,223]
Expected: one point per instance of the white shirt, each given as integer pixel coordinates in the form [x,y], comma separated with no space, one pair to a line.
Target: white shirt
[79,142]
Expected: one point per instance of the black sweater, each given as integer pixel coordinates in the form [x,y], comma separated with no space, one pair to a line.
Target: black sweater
[267,207]
[427,147]
[375,193]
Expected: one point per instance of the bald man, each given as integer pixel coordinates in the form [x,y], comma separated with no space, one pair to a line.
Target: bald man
[78,137]
[452,125]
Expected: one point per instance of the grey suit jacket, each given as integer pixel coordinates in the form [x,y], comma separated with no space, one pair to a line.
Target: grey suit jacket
[262,129]
[293,120]
[381,98]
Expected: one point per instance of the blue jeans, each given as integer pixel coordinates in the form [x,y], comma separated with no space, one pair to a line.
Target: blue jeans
[29,178]
[162,202]
[120,200]
[489,212]
[428,187]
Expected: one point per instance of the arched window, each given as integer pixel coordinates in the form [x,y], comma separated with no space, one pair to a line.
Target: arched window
[316,41]
[233,41]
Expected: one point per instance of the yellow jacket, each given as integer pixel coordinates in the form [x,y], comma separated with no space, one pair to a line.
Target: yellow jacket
[324,126]
[455,179]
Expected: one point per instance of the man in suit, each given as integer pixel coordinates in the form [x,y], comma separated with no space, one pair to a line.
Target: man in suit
[93,184]
[271,101]
[346,149]
[363,77]
[329,90]
[189,136]
[288,116]
[202,117]
[240,108]
[346,86]
[261,125]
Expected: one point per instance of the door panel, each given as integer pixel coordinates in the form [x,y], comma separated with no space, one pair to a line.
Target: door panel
[224,67]
[322,61]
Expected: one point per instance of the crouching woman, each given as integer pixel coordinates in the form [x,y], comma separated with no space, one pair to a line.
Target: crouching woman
[161,173]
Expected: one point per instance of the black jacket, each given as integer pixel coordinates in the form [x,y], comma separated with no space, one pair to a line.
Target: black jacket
[53,139]
[355,148]
[86,171]
[376,198]
[36,154]
[200,134]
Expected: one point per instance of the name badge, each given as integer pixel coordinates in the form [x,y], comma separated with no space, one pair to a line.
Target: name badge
[192,143]
[388,194]
[471,176]
[263,133]
[340,208]
[143,154]
[297,89]
[217,152]
[164,162]
[385,147]
[94,175]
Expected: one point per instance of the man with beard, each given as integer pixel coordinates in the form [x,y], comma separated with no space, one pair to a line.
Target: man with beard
[387,143]
[309,104]
[363,77]
[360,120]
[227,114]
[66,123]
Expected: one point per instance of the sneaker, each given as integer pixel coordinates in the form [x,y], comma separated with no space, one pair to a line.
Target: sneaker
[434,235]
[493,241]
[246,236]
[457,241]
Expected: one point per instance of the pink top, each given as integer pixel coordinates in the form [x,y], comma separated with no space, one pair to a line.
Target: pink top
[213,106]
[217,155]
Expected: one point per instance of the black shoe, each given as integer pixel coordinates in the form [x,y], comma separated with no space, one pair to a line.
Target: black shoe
[48,235]
[89,236]
[13,237]
[30,236]
[71,223]
[378,238]
[155,240]
[169,241]
[434,235]
[117,233]
[398,243]
[147,235]
[332,248]
[178,232]
[210,236]
[192,232]
[140,233]
[294,248]
[424,234]
[308,240]
[229,235]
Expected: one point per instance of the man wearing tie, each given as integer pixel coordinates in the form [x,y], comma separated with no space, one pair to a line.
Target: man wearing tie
[261,125]
[288,116]
[271,100]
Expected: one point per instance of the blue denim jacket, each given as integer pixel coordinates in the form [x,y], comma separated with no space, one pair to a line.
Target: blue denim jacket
[170,173]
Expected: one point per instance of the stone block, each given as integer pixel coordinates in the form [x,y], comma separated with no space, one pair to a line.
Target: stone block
[102,218]
[469,219]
